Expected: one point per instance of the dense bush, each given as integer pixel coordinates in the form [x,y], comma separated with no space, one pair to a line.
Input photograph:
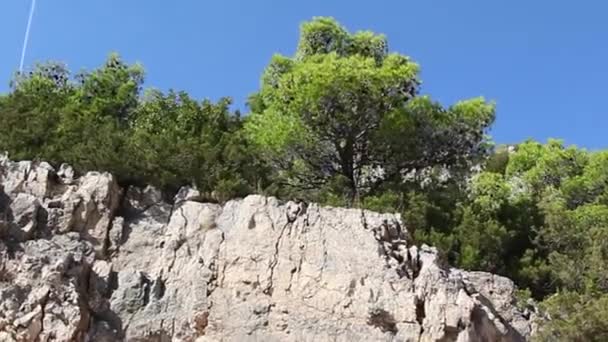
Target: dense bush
[177,140]
[342,123]
[542,220]
[99,120]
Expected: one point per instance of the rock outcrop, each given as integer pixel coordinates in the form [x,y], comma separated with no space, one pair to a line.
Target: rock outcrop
[83,260]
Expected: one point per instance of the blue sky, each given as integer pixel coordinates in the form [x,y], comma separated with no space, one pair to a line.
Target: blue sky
[545,63]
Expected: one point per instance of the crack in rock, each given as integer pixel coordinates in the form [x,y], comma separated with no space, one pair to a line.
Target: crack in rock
[274,261]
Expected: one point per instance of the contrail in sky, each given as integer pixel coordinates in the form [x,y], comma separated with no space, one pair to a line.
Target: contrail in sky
[27,35]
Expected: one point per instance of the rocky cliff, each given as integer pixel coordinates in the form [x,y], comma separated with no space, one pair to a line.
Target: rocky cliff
[82,259]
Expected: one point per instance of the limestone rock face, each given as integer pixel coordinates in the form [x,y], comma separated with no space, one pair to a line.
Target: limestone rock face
[83,260]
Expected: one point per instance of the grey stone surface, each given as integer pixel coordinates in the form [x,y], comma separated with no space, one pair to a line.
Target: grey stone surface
[83,260]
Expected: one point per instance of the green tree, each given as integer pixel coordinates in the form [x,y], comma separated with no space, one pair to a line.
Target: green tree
[178,141]
[98,120]
[31,112]
[344,110]
[575,317]
[93,130]
[544,223]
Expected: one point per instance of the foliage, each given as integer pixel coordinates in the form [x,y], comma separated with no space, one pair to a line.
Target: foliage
[544,223]
[344,108]
[30,114]
[180,141]
[98,120]
[576,317]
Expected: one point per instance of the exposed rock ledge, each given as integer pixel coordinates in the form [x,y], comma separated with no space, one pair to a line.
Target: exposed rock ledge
[83,260]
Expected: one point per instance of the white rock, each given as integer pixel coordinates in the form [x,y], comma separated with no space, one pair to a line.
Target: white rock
[253,269]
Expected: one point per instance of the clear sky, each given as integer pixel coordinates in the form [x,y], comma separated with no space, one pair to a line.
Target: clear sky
[545,63]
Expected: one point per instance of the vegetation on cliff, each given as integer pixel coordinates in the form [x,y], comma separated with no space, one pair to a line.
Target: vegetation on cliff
[342,122]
